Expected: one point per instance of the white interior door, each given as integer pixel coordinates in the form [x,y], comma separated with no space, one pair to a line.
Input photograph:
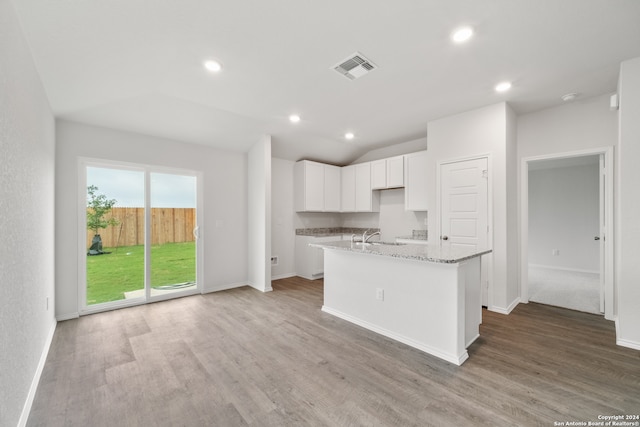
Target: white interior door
[464,208]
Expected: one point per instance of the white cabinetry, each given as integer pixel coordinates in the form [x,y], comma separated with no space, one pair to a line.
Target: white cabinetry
[395,172]
[379,174]
[348,189]
[310,261]
[387,173]
[366,201]
[332,188]
[317,187]
[416,181]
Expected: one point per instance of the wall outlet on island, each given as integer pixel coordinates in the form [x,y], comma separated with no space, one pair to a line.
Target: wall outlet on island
[380,294]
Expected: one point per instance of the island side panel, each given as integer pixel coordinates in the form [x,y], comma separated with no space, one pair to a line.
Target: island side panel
[473,298]
[423,303]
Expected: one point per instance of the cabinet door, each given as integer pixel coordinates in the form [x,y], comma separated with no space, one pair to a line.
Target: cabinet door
[313,186]
[379,174]
[348,195]
[416,183]
[363,187]
[395,172]
[332,188]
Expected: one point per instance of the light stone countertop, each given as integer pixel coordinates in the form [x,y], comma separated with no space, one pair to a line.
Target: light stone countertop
[429,253]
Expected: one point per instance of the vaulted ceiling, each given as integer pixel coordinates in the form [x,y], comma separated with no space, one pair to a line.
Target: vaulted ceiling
[137,65]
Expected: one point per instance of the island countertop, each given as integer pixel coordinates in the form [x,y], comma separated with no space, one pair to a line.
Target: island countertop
[429,253]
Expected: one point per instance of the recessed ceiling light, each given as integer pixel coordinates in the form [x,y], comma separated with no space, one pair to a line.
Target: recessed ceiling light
[213,66]
[294,118]
[569,96]
[461,35]
[349,135]
[503,87]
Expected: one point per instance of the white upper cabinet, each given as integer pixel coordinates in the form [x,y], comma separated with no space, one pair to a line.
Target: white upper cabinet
[348,189]
[416,181]
[379,174]
[332,188]
[317,187]
[366,201]
[395,172]
[387,173]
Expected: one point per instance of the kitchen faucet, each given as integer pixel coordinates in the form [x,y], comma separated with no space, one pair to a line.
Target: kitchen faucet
[366,238]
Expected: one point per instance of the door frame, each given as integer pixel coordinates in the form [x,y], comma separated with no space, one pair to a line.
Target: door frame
[607,230]
[83,163]
[488,257]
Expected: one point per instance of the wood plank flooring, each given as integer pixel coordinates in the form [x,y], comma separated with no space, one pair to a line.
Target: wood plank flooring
[243,358]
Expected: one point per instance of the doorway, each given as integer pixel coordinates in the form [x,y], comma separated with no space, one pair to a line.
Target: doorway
[139,228]
[566,212]
[564,233]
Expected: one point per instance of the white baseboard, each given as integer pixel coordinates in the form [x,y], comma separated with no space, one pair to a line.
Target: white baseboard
[268,288]
[625,343]
[503,310]
[573,270]
[283,276]
[68,316]
[26,409]
[225,287]
[452,358]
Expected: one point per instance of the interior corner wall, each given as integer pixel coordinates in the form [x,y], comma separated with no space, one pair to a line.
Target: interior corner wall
[484,131]
[282,221]
[259,215]
[628,206]
[224,225]
[27,150]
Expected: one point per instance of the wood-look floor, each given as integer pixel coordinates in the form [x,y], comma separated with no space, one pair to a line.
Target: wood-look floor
[241,357]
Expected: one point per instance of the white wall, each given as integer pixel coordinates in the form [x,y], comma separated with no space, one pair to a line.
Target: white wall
[27,150]
[564,214]
[486,131]
[412,146]
[259,215]
[224,228]
[628,206]
[282,218]
[579,125]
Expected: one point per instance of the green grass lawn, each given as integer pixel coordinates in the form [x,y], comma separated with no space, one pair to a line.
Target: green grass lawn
[109,276]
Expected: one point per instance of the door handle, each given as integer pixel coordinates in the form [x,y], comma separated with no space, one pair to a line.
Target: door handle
[445,237]
[596,238]
[196,232]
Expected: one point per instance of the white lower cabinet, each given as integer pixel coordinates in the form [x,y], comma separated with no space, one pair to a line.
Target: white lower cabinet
[310,261]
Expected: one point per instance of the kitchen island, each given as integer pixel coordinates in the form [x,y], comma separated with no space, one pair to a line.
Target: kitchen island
[426,296]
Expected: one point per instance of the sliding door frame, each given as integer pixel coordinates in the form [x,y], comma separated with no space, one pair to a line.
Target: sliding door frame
[83,163]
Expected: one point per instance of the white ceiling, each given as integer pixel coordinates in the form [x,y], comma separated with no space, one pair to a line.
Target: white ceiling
[136,65]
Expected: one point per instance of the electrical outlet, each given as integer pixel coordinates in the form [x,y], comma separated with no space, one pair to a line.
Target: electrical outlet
[555,252]
[380,294]
[274,260]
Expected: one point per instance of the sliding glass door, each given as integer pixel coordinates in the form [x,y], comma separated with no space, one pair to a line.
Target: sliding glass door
[173,233]
[139,228]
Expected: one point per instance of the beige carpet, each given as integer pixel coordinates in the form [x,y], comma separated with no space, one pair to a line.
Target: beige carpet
[568,289]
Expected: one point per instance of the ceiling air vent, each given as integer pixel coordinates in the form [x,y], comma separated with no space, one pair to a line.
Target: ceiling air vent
[355,66]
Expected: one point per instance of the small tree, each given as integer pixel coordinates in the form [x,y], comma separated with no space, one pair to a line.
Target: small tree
[97,207]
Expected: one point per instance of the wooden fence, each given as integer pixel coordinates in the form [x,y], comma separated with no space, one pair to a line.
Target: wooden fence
[167,225]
